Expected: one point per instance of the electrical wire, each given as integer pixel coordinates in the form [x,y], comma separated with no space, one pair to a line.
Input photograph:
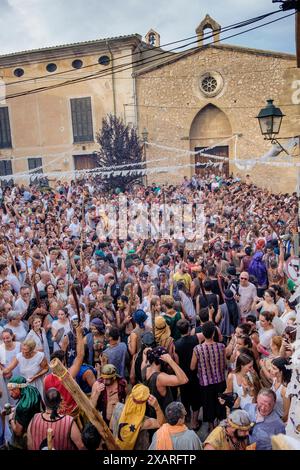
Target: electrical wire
[224,29]
[121,67]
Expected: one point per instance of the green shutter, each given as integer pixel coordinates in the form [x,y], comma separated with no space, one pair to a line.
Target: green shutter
[5,135]
[82,121]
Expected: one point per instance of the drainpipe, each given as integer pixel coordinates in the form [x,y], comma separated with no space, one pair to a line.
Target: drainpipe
[135,98]
[112,78]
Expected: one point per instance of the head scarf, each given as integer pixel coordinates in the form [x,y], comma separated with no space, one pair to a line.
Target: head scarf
[98,323]
[140,317]
[257,268]
[173,413]
[29,402]
[162,330]
[232,308]
[109,371]
[132,417]
[238,419]
[260,244]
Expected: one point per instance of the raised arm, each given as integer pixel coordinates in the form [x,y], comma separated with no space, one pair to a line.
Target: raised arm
[74,369]
[166,380]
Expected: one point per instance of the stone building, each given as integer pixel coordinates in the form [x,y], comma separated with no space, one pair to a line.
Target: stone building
[209,96]
[55,130]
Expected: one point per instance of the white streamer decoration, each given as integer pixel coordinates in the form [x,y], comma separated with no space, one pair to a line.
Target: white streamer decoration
[116,170]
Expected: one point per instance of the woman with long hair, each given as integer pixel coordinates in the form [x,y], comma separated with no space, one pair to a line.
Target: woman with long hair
[266,363]
[51,293]
[265,331]
[281,376]
[8,350]
[38,334]
[267,304]
[60,328]
[243,381]
[61,291]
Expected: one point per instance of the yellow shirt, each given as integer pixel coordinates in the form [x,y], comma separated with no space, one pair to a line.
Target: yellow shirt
[217,439]
[186,278]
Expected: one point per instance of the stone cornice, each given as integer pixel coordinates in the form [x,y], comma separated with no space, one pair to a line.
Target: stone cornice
[70,50]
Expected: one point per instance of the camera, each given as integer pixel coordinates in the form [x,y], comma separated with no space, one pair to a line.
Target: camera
[7,408]
[229,398]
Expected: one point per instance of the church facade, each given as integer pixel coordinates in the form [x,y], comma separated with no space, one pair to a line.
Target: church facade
[205,98]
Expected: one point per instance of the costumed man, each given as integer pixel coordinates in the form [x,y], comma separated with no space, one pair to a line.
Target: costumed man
[29,403]
[232,433]
[129,424]
[107,391]
[174,434]
[68,405]
[66,435]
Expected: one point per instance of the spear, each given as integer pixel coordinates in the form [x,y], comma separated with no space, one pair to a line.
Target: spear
[50,439]
[10,254]
[74,293]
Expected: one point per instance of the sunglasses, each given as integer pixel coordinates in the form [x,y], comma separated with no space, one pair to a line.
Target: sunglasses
[243,278]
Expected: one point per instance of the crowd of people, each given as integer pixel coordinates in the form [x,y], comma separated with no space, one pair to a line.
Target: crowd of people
[177,348]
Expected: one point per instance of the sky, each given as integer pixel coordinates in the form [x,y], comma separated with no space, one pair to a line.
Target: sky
[32,24]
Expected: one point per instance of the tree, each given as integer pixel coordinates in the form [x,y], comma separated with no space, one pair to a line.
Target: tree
[119,146]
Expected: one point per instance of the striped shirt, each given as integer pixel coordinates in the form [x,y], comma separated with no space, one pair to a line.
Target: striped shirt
[211,363]
[61,432]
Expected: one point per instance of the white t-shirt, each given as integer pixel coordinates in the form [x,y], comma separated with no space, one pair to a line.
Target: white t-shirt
[19,331]
[247,296]
[20,305]
[75,229]
[265,336]
[152,271]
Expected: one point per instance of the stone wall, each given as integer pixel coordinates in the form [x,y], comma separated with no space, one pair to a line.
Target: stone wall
[41,123]
[169,99]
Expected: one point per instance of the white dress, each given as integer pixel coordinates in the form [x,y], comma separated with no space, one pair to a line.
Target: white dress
[6,358]
[30,367]
[279,400]
[57,325]
[244,399]
[41,342]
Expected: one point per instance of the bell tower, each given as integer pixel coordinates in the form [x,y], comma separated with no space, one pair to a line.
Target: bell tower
[152,38]
[208,23]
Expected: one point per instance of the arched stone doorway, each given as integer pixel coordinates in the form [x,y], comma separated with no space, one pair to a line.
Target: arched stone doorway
[209,127]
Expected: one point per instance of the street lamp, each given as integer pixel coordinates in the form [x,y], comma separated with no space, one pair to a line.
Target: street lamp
[145,135]
[269,119]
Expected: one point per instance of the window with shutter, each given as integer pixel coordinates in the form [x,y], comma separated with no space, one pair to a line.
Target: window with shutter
[6,169]
[82,121]
[35,165]
[5,136]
